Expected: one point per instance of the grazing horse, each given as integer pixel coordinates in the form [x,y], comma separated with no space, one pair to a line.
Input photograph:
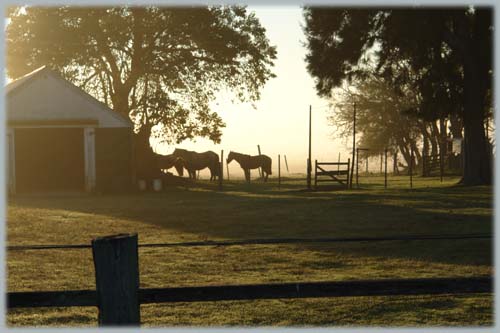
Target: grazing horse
[194,161]
[165,162]
[248,162]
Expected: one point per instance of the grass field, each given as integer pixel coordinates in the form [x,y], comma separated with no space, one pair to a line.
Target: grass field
[259,210]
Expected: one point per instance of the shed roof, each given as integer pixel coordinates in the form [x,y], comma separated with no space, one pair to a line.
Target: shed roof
[44,97]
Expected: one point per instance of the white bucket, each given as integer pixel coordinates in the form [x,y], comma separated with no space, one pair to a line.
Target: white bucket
[142,185]
[157,185]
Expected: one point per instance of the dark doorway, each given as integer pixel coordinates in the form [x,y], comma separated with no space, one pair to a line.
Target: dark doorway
[49,159]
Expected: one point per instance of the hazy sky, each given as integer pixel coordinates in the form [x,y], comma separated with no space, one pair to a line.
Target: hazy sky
[279,124]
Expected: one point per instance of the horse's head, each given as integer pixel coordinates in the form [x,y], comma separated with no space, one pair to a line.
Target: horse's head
[230,157]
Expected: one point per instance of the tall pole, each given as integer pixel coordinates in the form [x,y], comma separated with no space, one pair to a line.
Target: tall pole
[353,143]
[338,165]
[309,167]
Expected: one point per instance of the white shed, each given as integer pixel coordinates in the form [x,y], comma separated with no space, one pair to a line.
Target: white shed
[62,139]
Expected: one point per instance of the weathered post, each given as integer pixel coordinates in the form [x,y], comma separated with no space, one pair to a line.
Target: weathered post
[279,171]
[385,168]
[117,279]
[227,168]
[221,169]
[315,174]
[338,165]
[286,164]
[348,171]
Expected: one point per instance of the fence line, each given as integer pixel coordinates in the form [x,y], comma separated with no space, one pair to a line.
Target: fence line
[265,241]
[118,296]
[386,287]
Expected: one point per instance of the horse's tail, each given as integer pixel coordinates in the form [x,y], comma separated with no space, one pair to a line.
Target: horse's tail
[268,165]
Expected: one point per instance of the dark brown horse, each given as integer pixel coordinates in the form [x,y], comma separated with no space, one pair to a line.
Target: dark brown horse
[248,162]
[165,162]
[194,161]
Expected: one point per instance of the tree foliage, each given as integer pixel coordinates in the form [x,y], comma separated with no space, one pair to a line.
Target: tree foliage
[444,54]
[160,66]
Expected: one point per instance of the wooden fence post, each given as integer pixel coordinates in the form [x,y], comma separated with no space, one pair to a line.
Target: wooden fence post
[117,279]
[286,164]
[279,171]
[348,171]
[357,167]
[316,174]
[221,169]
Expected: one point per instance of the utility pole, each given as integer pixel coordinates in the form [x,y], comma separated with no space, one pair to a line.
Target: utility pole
[309,167]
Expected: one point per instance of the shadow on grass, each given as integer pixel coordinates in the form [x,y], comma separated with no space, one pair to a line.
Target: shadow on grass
[256,210]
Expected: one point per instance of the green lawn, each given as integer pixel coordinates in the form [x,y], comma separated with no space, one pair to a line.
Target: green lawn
[259,210]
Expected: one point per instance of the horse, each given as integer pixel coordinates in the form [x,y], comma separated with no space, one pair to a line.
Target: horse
[194,161]
[248,162]
[165,162]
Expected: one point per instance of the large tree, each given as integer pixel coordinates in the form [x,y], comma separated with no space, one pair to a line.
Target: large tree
[160,66]
[448,52]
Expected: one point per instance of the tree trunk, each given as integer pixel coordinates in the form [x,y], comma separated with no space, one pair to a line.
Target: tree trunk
[146,160]
[477,159]
[404,151]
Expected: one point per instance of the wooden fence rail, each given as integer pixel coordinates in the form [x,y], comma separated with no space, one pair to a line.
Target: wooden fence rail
[386,287]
